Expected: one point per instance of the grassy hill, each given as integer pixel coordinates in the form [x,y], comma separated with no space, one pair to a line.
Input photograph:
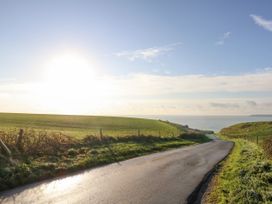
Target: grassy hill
[250,129]
[80,126]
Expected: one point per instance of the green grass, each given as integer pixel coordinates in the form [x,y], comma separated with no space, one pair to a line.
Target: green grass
[250,129]
[245,177]
[80,126]
[42,152]
[256,132]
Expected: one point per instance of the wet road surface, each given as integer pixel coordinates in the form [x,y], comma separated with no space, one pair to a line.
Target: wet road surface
[160,178]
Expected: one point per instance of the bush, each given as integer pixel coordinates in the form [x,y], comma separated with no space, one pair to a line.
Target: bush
[72,152]
[36,142]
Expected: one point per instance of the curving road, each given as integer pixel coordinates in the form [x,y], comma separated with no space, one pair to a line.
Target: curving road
[161,178]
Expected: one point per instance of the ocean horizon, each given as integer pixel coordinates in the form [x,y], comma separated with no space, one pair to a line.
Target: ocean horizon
[209,122]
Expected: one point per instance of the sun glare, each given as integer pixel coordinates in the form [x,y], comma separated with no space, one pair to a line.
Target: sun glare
[69,68]
[71,85]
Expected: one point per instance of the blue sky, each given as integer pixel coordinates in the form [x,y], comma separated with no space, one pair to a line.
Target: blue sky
[143,41]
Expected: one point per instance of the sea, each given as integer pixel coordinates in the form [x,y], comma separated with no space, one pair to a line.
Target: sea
[215,123]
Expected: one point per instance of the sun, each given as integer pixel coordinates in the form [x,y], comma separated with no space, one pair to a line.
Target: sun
[69,68]
[71,84]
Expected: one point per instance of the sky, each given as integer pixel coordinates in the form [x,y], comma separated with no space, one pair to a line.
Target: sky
[144,57]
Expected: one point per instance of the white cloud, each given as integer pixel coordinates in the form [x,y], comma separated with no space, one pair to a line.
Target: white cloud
[147,94]
[222,40]
[144,84]
[260,21]
[147,54]
[153,84]
[226,35]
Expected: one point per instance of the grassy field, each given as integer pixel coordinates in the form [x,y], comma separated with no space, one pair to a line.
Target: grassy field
[80,126]
[246,176]
[53,145]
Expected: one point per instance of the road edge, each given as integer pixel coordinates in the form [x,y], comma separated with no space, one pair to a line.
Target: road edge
[196,196]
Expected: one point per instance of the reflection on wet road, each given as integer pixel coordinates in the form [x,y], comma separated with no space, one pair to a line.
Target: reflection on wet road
[167,177]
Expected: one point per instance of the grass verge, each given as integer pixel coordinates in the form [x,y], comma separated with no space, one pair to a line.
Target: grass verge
[244,177]
[52,158]
[256,132]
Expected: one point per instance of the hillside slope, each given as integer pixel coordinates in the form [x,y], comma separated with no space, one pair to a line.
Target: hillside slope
[80,126]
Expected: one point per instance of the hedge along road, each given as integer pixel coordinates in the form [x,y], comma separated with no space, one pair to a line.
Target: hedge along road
[167,177]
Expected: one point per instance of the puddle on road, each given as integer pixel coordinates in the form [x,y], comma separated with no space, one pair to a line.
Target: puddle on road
[60,185]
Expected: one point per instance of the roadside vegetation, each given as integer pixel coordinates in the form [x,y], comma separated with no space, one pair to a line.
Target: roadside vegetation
[28,155]
[246,175]
[256,132]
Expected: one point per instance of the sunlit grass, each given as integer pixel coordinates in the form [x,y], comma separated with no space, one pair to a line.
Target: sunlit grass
[245,177]
[50,161]
[80,126]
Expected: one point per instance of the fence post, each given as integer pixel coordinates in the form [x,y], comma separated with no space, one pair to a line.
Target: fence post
[101,133]
[19,140]
[139,133]
[159,133]
[257,139]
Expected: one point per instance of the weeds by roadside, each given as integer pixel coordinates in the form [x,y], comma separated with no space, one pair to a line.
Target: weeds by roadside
[245,177]
[256,132]
[43,155]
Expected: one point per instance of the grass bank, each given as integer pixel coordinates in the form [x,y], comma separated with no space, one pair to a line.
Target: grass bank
[34,155]
[249,129]
[256,132]
[246,175]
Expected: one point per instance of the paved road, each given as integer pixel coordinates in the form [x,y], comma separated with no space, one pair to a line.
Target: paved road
[161,178]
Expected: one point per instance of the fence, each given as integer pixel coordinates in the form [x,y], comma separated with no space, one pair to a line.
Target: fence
[97,132]
[134,132]
[257,139]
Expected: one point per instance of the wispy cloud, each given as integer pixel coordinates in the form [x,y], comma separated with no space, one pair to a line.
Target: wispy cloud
[260,21]
[147,54]
[223,38]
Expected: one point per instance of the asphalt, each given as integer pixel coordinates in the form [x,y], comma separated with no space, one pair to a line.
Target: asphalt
[160,178]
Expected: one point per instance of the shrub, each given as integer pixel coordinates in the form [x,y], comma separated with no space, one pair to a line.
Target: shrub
[36,142]
[72,152]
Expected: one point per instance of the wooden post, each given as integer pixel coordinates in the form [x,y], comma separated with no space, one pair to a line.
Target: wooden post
[159,133]
[139,133]
[101,133]
[19,140]
[257,139]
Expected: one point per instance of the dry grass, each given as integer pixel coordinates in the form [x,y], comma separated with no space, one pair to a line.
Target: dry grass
[32,142]
[267,146]
[36,155]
